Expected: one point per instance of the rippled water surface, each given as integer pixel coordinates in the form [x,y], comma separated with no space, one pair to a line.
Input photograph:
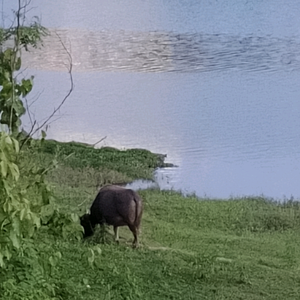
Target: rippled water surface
[213,84]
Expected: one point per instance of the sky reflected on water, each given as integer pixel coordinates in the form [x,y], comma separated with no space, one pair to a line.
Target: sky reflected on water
[214,85]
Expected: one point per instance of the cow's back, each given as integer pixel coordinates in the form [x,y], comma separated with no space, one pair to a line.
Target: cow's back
[116,206]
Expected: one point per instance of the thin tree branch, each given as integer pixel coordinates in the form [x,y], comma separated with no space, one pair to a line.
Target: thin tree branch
[29,113]
[69,92]
[46,122]
[36,98]
[102,139]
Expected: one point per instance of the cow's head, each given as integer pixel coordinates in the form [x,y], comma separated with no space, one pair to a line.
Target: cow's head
[85,222]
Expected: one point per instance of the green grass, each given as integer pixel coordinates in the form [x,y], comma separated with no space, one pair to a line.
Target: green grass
[190,248]
[131,163]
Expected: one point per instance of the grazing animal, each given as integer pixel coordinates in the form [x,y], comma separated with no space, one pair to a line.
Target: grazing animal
[115,206]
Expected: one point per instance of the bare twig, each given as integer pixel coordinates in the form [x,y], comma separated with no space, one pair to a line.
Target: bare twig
[46,122]
[29,113]
[69,92]
[36,98]
[102,139]
[29,134]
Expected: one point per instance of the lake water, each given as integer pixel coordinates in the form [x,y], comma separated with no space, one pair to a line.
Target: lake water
[212,84]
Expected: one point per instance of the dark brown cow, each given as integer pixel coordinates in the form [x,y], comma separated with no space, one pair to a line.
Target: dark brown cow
[115,206]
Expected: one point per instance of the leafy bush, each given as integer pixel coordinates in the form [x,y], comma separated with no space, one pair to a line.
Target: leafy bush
[26,205]
[17,220]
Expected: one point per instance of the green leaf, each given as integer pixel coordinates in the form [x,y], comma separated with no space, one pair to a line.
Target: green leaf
[27,86]
[18,107]
[8,53]
[36,220]
[7,253]
[17,145]
[6,87]
[91,256]
[2,217]
[47,212]
[53,261]
[14,239]
[7,207]
[22,213]
[7,73]
[7,187]
[3,165]
[8,140]
[74,217]
[5,117]
[30,231]
[14,170]
[98,250]
[4,223]
[18,64]
[16,226]
[1,261]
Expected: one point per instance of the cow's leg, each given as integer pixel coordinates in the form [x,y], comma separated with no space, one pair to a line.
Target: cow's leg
[103,232]
[116,231]
[135,232]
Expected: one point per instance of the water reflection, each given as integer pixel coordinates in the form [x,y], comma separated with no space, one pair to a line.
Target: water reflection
[164,52]
[231,133]
[211,83]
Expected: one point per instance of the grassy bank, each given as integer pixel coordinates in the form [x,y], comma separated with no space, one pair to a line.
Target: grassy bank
[190,248]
